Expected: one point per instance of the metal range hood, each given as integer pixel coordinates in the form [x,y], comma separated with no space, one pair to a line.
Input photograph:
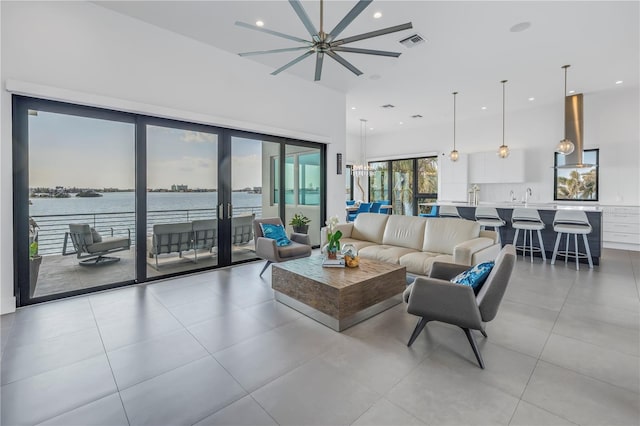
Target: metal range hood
[573,124]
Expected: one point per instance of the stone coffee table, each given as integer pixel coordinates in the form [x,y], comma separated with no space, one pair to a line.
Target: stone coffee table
[338,297]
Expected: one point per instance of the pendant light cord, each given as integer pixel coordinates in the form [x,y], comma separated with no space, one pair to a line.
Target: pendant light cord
[503,102]
[565,98]
[454,120]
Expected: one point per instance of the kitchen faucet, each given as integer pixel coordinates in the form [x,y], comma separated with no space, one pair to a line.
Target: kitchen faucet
[512,196]
[528,193]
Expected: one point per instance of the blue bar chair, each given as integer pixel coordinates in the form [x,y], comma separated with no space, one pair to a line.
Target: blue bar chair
[432,213]
[375,207]
[363,208]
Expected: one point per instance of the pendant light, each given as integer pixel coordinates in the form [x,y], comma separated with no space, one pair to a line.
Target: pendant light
[503,151]
[454,154]
[363,169]
[565,147]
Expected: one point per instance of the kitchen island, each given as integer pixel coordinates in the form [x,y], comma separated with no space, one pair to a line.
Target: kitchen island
[547,212]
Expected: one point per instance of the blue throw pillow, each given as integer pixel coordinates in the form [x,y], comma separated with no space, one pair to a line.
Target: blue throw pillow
[475,276]
[275,232]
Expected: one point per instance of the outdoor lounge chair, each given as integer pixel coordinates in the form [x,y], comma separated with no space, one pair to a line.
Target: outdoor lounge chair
[171,238]
[89,245]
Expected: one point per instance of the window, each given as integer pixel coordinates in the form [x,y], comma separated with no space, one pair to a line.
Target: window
[579,183]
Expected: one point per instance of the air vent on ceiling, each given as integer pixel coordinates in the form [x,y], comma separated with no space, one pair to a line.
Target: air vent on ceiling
[388,106]
[416,116]
[412,41]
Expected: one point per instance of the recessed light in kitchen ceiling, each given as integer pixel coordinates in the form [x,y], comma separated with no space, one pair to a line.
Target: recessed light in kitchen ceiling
[572,92]
[259,24]
[483,108]
[619,82]
[377,15]
[353,107]
[522,26]
[532,99]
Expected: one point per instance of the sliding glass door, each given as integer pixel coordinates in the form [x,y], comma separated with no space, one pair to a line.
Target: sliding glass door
[105,198]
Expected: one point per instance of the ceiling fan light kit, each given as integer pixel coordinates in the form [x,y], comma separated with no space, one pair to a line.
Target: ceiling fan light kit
[322,43]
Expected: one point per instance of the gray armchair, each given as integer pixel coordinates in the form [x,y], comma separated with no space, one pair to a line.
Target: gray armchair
[436,299]
[267,249]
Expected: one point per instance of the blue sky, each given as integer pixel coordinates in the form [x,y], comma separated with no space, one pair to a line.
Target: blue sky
[86,152]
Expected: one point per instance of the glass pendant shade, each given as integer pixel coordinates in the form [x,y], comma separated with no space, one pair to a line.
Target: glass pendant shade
[565,147]
[454,155]
[363,169]
[503,151]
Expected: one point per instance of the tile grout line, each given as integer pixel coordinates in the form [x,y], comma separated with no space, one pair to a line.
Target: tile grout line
[115,382]
[541,352]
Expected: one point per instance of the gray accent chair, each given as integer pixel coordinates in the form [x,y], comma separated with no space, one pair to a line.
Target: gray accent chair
[437,299]
[267,249]
[93,248]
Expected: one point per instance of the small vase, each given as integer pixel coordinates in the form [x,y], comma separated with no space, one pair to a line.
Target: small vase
[331,254]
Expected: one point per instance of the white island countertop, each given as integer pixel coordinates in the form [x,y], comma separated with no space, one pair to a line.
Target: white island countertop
[587,207]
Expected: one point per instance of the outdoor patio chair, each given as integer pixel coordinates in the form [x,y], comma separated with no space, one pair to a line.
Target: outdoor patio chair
[267,249]
[205,234]
[89,245]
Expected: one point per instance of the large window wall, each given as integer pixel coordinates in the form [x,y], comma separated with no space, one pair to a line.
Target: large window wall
[410,184]
[157,197]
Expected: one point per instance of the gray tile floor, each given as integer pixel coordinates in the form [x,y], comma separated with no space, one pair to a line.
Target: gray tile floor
[215,348]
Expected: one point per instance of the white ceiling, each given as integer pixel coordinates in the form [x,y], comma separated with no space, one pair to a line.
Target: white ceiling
[469,49]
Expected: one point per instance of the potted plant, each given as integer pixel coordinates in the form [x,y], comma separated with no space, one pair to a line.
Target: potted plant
[333,237]
[300,223]
[35,260]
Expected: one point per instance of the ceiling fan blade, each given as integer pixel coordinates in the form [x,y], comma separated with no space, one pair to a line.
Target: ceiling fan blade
[302,14]
[344,62]
[292,63]
[349,17]
[319,58]
[275,33]
[262,52]
[373,34]
[365,51]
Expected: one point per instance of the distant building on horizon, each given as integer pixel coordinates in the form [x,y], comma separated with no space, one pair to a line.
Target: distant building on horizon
[179,188]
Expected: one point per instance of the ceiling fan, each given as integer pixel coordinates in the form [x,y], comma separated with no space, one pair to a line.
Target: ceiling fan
[322,42]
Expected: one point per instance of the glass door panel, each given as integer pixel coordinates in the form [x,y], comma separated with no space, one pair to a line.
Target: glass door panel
[402,187]
[302,182]
[427,174]
[378,182]
[255,192]
[81,203]
[182,200]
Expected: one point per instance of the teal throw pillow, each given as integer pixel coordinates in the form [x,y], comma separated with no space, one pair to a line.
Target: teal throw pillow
[275,232]
[474,277]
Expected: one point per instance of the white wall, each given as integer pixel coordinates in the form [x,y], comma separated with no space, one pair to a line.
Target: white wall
[610,123]
[80,52]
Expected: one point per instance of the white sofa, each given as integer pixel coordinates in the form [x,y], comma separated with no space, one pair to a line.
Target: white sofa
[417,242]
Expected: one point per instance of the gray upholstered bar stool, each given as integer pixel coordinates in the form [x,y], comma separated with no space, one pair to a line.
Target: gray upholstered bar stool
[528,220]
[489,217]
[448,211]
[572,222]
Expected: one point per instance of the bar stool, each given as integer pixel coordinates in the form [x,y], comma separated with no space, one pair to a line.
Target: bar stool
[489,217]
[528,220]
[572,222]
[449,211]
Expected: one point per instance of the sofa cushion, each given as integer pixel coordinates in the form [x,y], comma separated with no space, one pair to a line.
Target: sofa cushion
[420,263]
[441,235]
[357,243]
[404,231]
[385,253]
[369,227]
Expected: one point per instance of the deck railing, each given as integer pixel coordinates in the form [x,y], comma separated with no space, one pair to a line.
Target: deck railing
[52,228]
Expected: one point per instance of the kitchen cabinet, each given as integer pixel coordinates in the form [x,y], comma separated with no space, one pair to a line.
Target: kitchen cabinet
[452,178]
[621,227]
[487,167]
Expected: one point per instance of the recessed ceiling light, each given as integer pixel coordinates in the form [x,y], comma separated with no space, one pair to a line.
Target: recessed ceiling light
[532,99]
[522,26]
[619,82]
[353,107]
[401,123]
[377,15]
[483,108]
[572,91]
[260,23]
